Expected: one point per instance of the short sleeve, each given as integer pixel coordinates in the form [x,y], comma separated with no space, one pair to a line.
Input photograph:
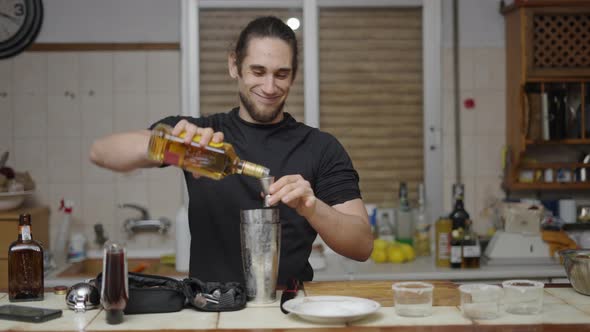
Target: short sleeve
[337,180]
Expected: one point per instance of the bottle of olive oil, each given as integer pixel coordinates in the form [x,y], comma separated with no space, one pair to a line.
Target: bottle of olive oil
[215,161]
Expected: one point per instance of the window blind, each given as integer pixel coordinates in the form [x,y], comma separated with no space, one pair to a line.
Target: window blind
[371,94]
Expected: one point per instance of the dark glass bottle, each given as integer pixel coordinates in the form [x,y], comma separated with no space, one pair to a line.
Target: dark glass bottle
[459,219]
[115,289]
[25,265]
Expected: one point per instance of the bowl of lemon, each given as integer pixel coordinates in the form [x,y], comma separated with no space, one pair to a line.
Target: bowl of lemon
[392,252]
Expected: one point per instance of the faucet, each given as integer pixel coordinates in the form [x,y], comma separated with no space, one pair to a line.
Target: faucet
[99,233]
[144,222]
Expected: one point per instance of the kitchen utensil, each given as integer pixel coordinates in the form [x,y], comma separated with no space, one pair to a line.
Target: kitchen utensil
[523,297]
[577,266]
[289,293]
[12,200]
[480,301]
[266,182]
[413,298]
[260,232]
[82,296]
[331,309]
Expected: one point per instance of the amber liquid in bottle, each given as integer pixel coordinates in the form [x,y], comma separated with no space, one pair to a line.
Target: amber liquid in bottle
[215,161]
[115,289]
[25,265]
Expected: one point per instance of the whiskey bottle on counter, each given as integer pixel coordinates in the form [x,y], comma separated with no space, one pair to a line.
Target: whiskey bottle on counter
[459,218]
[25,265]
[215,161]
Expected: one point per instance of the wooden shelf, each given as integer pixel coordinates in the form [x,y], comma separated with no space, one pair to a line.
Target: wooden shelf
[541,60]
[568,141]
[548,186]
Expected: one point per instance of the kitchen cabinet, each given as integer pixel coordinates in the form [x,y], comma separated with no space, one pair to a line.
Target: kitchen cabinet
[9,233]
[548,95]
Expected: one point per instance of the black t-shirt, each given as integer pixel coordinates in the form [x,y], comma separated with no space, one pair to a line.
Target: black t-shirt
[288,147]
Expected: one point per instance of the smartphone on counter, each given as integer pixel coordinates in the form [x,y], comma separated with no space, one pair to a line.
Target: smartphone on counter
[28,314]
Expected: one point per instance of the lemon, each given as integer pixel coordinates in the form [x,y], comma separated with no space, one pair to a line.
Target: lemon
[395,254]
[380,244]
[408,251]
[379,255]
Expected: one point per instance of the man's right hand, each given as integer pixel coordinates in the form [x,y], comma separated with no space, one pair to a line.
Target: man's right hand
[191,130]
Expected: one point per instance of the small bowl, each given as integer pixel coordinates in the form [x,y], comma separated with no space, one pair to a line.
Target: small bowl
[523,297]
[480,301]
[577,266]
[413,298]
[12,200]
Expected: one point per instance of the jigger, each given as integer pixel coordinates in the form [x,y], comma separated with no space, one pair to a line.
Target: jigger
[266,182]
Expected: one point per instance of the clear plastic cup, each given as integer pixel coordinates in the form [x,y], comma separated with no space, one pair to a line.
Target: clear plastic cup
[523,297]
[480,301]
[413,298]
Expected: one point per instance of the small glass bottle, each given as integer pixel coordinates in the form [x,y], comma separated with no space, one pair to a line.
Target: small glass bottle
[114,290]
[215,161]
[403,220]
[25,265]
[422,225]
[471,248]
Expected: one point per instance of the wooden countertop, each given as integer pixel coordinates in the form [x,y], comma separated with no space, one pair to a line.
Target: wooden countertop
[564,310]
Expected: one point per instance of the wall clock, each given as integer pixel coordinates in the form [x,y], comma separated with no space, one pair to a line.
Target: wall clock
[20,22]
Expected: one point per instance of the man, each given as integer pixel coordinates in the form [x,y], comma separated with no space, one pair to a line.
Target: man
[316,188]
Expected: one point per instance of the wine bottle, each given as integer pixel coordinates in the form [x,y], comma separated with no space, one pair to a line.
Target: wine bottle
[458,217]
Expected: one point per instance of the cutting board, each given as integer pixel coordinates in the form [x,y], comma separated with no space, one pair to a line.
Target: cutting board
[446,293]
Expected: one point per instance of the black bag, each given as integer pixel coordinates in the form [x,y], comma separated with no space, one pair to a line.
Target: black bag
[215,296]
[152,294]
[157,294]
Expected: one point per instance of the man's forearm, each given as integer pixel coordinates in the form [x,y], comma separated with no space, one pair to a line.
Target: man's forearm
[347,234]
[122,152]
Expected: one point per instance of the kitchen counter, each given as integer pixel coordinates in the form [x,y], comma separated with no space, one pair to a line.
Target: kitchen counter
[424,268]
[338,268]
[563,310]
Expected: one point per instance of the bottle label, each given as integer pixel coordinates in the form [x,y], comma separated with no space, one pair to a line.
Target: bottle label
[25,232]
[443,246]
[455,254]
[471,251]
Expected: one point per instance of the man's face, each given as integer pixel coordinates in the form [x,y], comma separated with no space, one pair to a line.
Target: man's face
[265,81]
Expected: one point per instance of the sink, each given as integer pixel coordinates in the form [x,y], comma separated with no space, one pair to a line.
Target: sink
[90,267]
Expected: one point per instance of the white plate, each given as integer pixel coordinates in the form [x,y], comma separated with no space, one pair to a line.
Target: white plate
[331,309]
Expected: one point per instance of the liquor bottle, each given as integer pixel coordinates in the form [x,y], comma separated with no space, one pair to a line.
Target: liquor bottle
[458,217]
[215,161]
[422,232]
[25,265]
[115,285]
[403,220]
[442,236]
[471,249]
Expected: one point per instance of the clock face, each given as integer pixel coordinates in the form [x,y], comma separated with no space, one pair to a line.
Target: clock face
[20,21]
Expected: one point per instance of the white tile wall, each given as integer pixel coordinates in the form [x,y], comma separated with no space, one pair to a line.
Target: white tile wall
[483,129]
[53,105]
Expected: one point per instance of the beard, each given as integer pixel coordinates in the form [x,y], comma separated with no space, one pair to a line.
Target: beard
[256,114]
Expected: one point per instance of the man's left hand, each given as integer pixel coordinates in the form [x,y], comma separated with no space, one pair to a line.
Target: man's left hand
[295,192]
